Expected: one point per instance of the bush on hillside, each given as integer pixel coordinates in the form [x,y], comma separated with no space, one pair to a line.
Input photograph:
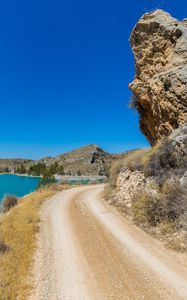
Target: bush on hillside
[133,161]
[53,169]
[46,181]
[8,202]
[79,173]
[21,169]
[166,161]
[3,247]
[166,205]
[60,170]
[176,203]
[37,169]
[5,170]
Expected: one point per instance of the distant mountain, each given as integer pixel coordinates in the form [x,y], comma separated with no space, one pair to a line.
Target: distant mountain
[9,165]
[88,160]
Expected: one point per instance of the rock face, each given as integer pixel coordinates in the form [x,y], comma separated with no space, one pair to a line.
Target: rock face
[179,142]
[128,183]
[159,44]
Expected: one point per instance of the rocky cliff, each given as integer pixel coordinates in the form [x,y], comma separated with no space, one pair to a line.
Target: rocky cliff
[159,44]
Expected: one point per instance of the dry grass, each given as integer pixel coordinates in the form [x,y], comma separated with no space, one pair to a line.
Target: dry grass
[134,160]
[108,191]
[165,161]
[18,235]
[163,212]
[177,243]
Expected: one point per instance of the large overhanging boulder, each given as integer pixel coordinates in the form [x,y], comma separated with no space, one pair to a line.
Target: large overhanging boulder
[159,44]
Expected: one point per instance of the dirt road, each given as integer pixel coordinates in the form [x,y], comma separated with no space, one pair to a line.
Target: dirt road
[87,250]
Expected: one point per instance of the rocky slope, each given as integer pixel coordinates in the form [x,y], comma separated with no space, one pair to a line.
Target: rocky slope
[159,44]
[88,160]
[11,164]
[165,162]
[151,189]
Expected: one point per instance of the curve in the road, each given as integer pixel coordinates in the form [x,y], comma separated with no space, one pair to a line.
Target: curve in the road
[86,250]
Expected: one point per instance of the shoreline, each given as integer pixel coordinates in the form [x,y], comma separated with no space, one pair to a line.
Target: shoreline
[20,175]
[26,175]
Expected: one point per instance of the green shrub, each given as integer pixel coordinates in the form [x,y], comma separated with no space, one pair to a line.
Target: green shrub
[5,170]
[60,170]
[41,169]
[46,181]
[37,169]
[79,173]
[21,169]
[53,169]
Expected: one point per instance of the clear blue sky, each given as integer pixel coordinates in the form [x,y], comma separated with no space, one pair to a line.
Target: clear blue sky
[64,73]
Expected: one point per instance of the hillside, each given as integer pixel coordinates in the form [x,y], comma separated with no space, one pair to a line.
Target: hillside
[88,160]
[9,165]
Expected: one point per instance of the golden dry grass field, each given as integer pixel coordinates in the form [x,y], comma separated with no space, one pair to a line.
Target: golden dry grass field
[18,230]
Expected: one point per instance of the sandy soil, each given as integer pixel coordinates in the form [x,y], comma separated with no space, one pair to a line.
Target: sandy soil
[87,250]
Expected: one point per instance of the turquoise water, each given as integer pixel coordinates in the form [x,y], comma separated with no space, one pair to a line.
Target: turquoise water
[17,185]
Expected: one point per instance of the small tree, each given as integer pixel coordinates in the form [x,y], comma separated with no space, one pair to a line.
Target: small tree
[6,170]
[61,170]
[21,169]
[79,173]
[53,168]
[46,180]
[101,172]
[37,169]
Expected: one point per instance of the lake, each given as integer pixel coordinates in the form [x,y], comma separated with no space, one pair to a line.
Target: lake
[17,185]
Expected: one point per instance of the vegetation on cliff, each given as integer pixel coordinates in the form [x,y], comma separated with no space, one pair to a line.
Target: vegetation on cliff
[150,185]
[157,199]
